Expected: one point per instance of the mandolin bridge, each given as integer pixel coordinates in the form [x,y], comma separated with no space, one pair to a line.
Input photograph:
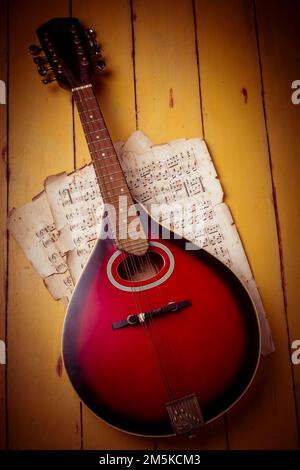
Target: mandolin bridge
[136,319]
[185,415]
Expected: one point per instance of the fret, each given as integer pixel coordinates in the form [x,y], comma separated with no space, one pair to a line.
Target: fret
[111,190]
[91,115]
[98,141]
[95,160]
[94,120]
[101,134]
[123,186]
[98,130]
[105,148]
[113,200]
[84,98]
[111,161]
[114,173]
[99,168]
[118,194]
[82,101]
[88,110]
[112,180]
[80,95]
[107,165]
[90,123]
[82,106]
[105,156]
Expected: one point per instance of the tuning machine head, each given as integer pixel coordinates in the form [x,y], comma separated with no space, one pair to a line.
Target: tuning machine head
[100,65]
[48,80]
[34,49]
[71,54]
[42,65]
[93,44]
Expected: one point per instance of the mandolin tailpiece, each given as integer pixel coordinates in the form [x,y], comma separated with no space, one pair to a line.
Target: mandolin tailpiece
[185,415]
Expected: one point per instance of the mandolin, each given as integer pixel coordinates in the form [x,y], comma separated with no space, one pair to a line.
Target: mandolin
[158,340]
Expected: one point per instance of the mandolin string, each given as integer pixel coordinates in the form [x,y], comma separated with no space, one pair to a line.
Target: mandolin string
[100,178]
[155,334]
[135,296]
[152,331]
[83,96]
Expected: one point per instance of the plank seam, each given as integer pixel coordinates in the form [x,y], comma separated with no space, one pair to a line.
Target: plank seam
[75,166]
[132,19]
[198,66]
[276,211]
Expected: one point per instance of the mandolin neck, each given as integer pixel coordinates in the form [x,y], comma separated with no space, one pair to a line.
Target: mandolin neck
[111,180]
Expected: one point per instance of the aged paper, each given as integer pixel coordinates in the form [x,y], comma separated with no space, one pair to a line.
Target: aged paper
[33,227]
[77,208]
[178,185]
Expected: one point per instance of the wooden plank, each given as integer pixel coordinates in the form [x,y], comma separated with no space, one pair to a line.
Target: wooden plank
[278,28]
[168,105]
[43,409]
[166,70]
[235,132]
[115,91]
[3,210]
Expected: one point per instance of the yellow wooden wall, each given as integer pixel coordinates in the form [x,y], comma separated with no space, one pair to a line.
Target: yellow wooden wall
[178,68]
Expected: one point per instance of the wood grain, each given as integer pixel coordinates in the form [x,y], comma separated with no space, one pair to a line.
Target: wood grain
[280,57]
[3,210]
[236,135]
[167,89]
[43,409]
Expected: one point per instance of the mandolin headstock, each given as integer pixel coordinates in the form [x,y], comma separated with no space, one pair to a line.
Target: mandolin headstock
[72,53]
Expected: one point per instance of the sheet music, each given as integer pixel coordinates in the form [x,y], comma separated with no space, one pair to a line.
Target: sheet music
[33,227]
[77,208]
[60,286]
[177,180]
[181,172]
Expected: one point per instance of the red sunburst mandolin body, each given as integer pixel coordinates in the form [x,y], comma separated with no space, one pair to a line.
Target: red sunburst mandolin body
[127,375]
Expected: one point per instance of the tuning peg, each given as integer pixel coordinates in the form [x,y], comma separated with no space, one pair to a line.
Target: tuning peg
[40,60]
[100,64]
[48,80]
[90,33]
[34,50]
[54,57]
[43,71]
[95,46]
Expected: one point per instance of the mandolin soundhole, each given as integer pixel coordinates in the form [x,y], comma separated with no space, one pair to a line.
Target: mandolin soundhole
[140,268]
